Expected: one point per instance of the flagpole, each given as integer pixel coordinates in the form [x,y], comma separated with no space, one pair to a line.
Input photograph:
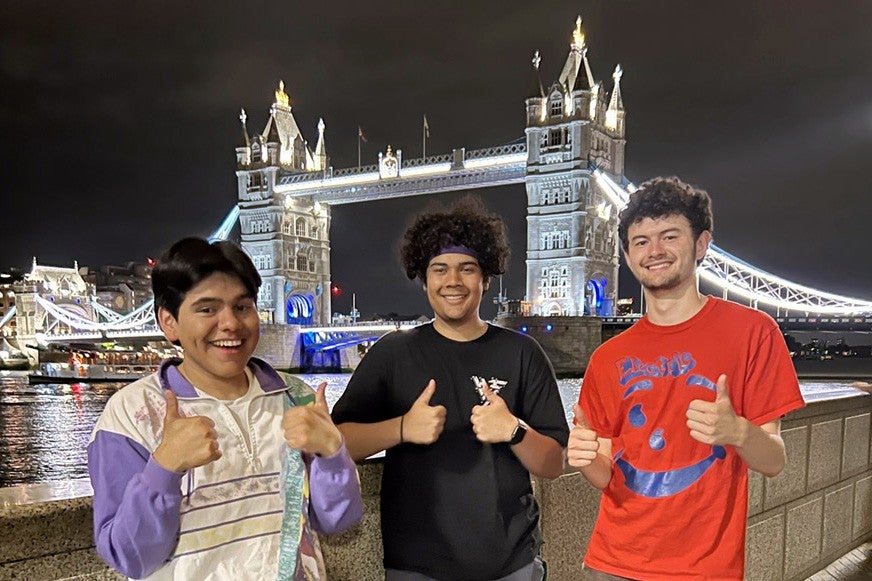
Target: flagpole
[424,130]
[359,132]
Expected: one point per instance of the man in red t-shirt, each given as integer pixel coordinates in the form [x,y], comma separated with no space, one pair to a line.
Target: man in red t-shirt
[674,411]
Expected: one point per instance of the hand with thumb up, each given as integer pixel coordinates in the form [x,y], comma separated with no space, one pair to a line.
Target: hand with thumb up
[423,423]
[187,442]
[583,445]
[310,429]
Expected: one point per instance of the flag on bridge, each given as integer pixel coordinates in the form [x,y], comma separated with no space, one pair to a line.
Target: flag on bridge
[360,134]
[426,134]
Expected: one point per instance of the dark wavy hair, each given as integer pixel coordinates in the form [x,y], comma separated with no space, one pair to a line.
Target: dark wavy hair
[666,196]
[467,223]
[189,261]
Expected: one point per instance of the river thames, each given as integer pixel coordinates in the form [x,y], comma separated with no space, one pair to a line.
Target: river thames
[44,428]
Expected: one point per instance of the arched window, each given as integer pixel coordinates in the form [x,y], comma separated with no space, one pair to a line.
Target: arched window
[301,227]
[556,105]
[302,262]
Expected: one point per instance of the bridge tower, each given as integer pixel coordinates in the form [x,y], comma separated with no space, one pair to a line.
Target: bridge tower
[572,245]
[287,239]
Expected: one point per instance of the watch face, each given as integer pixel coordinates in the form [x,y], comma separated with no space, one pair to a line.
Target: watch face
[518,434]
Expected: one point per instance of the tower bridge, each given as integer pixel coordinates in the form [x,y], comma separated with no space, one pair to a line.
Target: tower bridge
[570,158]
[285,191]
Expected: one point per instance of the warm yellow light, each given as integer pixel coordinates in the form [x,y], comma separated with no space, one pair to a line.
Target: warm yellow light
[577,34]
[611,119]
[282,97]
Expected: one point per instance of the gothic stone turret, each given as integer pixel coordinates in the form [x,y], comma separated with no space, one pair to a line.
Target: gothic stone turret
[572,250]
[287,238]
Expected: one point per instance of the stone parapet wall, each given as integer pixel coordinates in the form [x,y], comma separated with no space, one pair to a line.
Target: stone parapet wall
[279,345]
[817,510]
[568,342]
[820,506]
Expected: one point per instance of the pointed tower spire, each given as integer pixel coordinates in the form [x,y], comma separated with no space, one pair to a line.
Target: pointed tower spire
[246,142]
[615,112]
[321,148]
[243,152]
[271,133]
[573,62]
[536,90]
[590,81]
[282,97]
[617,104]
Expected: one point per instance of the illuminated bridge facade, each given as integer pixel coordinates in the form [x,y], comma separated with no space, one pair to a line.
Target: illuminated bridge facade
[571,160]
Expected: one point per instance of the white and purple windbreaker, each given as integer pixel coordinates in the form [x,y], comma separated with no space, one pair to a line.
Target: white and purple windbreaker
[221,520]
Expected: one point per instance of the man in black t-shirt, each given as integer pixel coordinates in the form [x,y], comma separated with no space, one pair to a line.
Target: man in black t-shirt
[465,411]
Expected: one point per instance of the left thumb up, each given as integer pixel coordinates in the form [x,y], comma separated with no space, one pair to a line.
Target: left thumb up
[722,392]
[321,397]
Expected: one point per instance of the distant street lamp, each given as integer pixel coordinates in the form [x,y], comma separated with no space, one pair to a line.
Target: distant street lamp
[354,312]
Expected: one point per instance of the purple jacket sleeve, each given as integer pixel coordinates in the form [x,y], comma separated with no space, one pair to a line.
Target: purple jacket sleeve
[136,505]
[334,503]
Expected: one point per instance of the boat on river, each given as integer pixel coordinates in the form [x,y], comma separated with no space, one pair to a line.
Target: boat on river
[88,372]
[11,357]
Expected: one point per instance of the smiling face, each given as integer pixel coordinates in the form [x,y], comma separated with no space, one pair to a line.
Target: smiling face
[218,328]
[454,286]
[662,252]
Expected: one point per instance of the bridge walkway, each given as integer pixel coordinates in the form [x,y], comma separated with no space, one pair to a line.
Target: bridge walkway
[854,566]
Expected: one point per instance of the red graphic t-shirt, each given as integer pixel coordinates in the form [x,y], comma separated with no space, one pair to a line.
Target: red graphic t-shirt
[676,508]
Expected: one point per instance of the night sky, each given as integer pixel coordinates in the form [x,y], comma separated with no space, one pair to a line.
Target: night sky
[119,119]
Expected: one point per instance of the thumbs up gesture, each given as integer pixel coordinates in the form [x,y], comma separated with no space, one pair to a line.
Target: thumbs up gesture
[423,423]
[187,442]
[583,444]
[716,422]
[310,429]
[492,421]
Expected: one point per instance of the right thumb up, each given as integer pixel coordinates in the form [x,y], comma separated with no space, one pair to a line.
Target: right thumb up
[580,420]
[427,394]
[172,412]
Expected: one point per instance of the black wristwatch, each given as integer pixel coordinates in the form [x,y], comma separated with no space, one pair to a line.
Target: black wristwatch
[518,433]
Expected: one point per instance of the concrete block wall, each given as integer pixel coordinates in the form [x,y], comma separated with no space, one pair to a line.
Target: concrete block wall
[279,345]
[820,506]
[817,510]
[568,343]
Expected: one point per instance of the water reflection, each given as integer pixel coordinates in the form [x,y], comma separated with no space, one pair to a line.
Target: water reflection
[45,428]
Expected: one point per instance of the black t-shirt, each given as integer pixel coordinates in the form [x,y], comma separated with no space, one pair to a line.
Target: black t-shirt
[456,509]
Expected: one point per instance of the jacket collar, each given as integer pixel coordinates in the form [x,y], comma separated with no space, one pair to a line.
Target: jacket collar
[170,377]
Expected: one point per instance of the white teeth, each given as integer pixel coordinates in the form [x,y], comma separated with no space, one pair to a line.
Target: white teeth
[227,343]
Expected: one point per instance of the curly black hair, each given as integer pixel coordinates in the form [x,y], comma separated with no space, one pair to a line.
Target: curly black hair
[666,196]
[467,223]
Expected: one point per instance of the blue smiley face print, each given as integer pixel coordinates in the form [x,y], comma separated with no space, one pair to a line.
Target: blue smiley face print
[637,378]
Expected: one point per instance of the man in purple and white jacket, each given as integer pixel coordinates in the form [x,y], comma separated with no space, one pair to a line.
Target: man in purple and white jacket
[217,466]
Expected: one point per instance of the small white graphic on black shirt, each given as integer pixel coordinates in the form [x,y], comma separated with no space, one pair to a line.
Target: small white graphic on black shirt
[495,385]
